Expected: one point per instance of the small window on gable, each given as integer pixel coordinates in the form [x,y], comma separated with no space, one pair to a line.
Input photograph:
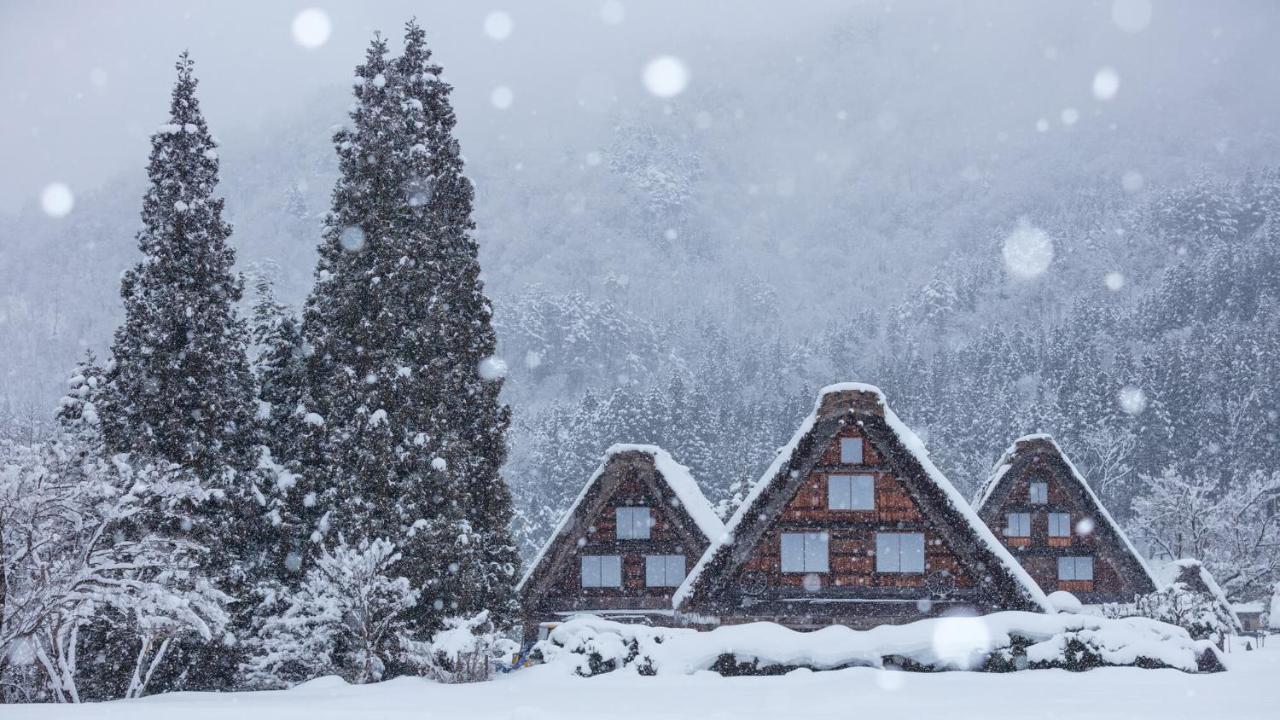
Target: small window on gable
[900,552]
[1039,493]
[1075,568]
[851,492]
[634,523]
[663,570]
[804,552]
[601,571]
[1059,525]
[851,451]
[1017,525]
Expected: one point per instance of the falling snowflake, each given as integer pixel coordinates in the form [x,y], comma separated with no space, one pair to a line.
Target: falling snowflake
[1027,251]
[498,25]
[1132,400]
[493,368]
[56,200]
[1106,83]
[311,28]
[1085,526]
[666,76]
[351,238]
[439,464]
[1070,116]
[1113,280]
[1132,181]
[501,97]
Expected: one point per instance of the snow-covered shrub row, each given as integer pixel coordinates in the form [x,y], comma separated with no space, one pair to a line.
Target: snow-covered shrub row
[1000,642]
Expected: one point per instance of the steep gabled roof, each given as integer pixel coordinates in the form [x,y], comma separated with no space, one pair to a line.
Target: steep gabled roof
[905,454]
[1045,445]
[676,478]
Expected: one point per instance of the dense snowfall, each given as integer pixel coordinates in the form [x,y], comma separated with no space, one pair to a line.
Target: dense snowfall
[314,411]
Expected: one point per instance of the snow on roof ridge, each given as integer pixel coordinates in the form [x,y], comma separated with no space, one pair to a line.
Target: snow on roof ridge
[912,443]
[1004,463]
[675,475]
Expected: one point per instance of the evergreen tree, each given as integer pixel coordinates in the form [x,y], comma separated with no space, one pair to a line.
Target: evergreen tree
[280,372]
[402,372]
[180,393]
[180,389]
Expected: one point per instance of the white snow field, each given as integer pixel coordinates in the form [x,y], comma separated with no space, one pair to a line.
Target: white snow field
[1247,690]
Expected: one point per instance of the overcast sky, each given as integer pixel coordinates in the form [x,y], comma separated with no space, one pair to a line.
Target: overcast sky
[83,83]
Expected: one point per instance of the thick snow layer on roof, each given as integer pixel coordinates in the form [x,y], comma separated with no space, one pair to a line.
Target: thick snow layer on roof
[912,443]
[677,478]
[947,643]
[1006,461]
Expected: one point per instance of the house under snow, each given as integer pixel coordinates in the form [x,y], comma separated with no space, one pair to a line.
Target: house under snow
[1044,511]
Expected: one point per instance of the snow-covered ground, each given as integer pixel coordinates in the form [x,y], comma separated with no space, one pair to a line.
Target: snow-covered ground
[1247,690]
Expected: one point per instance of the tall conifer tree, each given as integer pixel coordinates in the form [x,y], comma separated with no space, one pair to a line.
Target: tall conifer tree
[401,369]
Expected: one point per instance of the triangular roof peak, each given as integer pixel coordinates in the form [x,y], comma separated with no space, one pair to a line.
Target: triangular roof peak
[867,406]
[1044,445]
[675,476]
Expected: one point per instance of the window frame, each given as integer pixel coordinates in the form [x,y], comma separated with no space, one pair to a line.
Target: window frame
[862,451]
[631,511]
[809,556]
[1067,527]
[666,565]
[1075,563]
[849,483]
[1008,524]
[599,561]
[889,552]
[1031,492]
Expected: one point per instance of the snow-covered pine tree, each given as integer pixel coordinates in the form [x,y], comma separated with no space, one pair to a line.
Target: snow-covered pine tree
[180,388]
[279,369]
[402,370]
[180,393]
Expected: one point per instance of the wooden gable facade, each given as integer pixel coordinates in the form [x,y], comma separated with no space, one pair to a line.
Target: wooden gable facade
[853,525]
[1050,519]
[624,545]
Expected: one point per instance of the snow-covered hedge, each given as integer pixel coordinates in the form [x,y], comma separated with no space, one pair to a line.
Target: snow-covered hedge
[1000,642]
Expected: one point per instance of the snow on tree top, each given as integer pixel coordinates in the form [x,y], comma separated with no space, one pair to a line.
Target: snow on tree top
[1006,461]
[675,475]
[913,445]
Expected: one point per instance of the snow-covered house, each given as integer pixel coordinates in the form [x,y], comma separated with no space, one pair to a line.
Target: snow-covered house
[625,543]
[1044,511]
[853,524]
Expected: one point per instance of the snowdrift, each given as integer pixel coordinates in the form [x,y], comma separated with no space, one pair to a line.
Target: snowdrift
[1000,642]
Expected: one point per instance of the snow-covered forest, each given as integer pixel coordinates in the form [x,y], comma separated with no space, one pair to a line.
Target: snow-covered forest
[272,322]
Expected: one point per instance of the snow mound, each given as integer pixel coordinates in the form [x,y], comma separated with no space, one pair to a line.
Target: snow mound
[588,645]
[1065,602]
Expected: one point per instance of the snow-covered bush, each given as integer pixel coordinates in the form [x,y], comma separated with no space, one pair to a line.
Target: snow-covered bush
[1000,642]
[345,619]
[465,651]
[72,553]
[1192,600]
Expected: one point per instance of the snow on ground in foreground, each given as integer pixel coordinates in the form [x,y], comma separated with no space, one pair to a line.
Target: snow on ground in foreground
[1248,690]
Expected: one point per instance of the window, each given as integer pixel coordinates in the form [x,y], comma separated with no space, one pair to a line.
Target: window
[851,492]
[1059,524]
[851,451]
[601,571]
[663,570]
[1039,493]
[1017,525]
[900,552]
[634,523]
[804,552]
[1075,568]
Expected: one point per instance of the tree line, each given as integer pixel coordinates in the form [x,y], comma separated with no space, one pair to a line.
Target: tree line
[238,502]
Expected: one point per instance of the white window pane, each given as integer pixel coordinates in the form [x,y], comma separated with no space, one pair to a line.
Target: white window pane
[633,523]
[623,517]
[887,546]
[862,492]
[590,571]
[611,571]
[1084,568]
[655,571]
[644,522]
[1017,525]
[675,570]
[815,552]
[792,552]
[1039,492]
[838,492]
[1059,525]
[1066,568]
[912,552]
[851,451]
